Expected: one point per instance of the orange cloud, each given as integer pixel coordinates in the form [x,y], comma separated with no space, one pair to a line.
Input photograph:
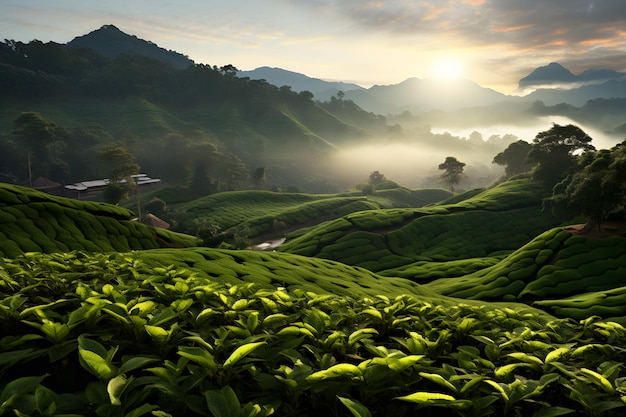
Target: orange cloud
[513,28]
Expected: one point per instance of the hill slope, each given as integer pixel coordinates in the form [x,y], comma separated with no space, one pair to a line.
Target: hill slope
[410,242]
[32,221]
[111,42]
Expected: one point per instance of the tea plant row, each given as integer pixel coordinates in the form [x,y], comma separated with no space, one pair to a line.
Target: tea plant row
[112,335]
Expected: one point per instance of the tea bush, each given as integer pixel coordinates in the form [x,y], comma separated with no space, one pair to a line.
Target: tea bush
[33,221]
[130,335]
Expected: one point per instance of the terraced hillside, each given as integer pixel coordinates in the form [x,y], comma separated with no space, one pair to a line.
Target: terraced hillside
[566,274]
[32,221]
[267,214]
[207,332]
[450,239]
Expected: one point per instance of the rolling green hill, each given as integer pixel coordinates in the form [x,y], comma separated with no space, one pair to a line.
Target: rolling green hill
[112,330]
[430,242]
[265,214]
[32,221]
[569,275]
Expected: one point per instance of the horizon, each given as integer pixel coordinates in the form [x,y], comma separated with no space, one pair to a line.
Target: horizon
[493,44]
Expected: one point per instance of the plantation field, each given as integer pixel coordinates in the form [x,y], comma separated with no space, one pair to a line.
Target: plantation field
[130,335]
[478,306]
[264,213]
[32,221]
[572,276]
[450,239]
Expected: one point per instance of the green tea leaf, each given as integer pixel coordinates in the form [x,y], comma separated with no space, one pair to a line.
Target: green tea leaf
[524,357]
[426,397]
[95,364]
[598,380]
[438,379]
[552,411]
[198,355]
[223,402]
[400,364]
[16,388]
[55,332]
[156,332]
[135,362]
[556,354]
[498,388]
[506,370]
[115,388]
[241,352]
[335,371]
[356,408]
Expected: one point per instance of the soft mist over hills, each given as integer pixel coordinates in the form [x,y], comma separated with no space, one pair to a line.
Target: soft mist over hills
[313,134]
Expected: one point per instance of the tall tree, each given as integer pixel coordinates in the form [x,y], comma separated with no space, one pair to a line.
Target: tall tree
[123,166]
[513,158]
[42,142]
[596,188]
[554,152]
[453,171]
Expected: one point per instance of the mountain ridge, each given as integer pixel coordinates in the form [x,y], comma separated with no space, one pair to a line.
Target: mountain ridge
[109,41]
[545,83]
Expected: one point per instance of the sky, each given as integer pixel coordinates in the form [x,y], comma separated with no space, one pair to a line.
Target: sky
[491,42]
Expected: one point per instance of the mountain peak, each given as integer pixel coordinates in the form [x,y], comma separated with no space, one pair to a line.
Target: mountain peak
[110,41]
[553,73]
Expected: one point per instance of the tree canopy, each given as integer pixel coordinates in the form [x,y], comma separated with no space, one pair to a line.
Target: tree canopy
[453,171]
[513,158]
[554,151]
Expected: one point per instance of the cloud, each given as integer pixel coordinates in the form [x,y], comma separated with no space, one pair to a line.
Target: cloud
[523,24]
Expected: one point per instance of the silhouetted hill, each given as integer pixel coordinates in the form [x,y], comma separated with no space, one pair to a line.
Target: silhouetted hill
[322,90]
[552,73]
[419,95]
[555,75]
[111,42]
[579,96]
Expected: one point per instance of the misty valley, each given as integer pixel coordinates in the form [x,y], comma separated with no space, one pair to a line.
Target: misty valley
[181,239]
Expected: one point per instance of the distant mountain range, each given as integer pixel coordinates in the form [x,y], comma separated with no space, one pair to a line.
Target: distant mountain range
[552,84]
[556,75]
[321,89]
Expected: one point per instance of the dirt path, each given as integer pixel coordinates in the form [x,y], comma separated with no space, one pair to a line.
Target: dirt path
[606,229]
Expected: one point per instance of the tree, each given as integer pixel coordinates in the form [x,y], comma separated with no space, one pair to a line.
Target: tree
[259,178]
[554,151]
[123,166]
[376,178]
[596,188]
[513,158]
[453,171]
[42,141]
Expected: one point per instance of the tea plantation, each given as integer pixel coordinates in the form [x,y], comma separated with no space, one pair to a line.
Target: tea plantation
[93,324]
[32,221]
[270,213]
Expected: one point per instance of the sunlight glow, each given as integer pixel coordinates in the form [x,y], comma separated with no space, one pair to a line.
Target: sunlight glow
[447,68]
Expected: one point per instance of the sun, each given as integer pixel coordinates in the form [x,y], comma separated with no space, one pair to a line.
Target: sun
[447,68]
